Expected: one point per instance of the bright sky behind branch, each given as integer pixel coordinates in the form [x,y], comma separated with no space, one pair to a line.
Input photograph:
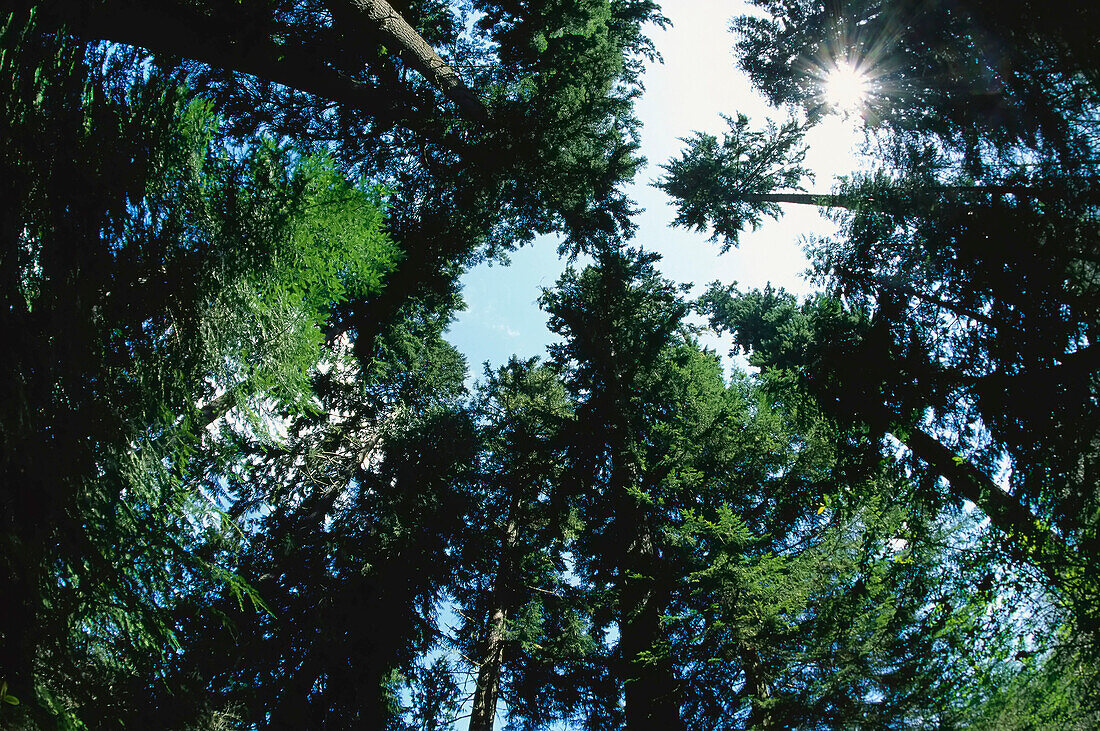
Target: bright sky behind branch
[697,83]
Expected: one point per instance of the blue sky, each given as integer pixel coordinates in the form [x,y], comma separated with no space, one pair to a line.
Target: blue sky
[692,88]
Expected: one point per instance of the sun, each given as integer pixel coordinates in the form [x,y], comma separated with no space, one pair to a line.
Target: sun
[846,88]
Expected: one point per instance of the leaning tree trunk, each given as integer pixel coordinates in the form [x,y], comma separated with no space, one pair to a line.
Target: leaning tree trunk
[882,202]
[1026,532]
[419,54]
[202,33]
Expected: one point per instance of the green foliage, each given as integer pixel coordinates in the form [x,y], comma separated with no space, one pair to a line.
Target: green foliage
[324,247]
[990,331]
[736,599]
[351,523]
[718,187]
[515,550]
[810,345]
[630,537]
[562,94]
[1052,690]
[436,699]
[143,266]
[961,297]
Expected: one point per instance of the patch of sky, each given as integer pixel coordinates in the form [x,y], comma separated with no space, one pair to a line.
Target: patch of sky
[697,83]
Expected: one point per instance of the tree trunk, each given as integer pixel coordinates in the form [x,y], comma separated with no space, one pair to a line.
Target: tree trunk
[18,620]
[1027,533]
[823,200]
[191,32]
[758,690]
[492,657]
[651,689]
[418,54]
[652,693]
[872,202]
[488,675]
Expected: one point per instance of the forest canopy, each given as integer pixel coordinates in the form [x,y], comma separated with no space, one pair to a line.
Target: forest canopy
[247,483]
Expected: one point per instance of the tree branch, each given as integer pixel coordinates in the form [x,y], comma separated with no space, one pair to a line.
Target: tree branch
[852,201]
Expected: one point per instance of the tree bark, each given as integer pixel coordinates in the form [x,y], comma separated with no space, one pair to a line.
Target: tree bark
[492,657]
[652,693]
[758,689]
[1078,365]
[651,689]
[823,200]
[419,54]
[188,33]
[488,676]
[852,202]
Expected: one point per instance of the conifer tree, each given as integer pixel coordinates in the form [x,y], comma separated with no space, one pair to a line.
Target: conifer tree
[967,251]
[706,563]
[146,268]
[517,585]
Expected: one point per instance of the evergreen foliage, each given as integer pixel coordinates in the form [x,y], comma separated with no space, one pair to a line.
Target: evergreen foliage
[556,79]
[962,275]
[243,485]
[145,269]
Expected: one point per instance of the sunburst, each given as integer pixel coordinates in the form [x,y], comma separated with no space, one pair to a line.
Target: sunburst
[846,88]
[852,71]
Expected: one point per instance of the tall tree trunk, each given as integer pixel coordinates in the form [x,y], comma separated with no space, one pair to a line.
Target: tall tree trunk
[492,655]
[823,200]
[24,537]
[418,54]
[872,202]
[194,32]
[488,675]
[18,620]
[652,691]
[758,689]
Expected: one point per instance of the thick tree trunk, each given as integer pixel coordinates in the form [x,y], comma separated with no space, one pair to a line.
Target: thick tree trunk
[488,676]
[652,693]
[24,535]
[190,32]
[758,689]
[651,689]
[18,618]
[418,54]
